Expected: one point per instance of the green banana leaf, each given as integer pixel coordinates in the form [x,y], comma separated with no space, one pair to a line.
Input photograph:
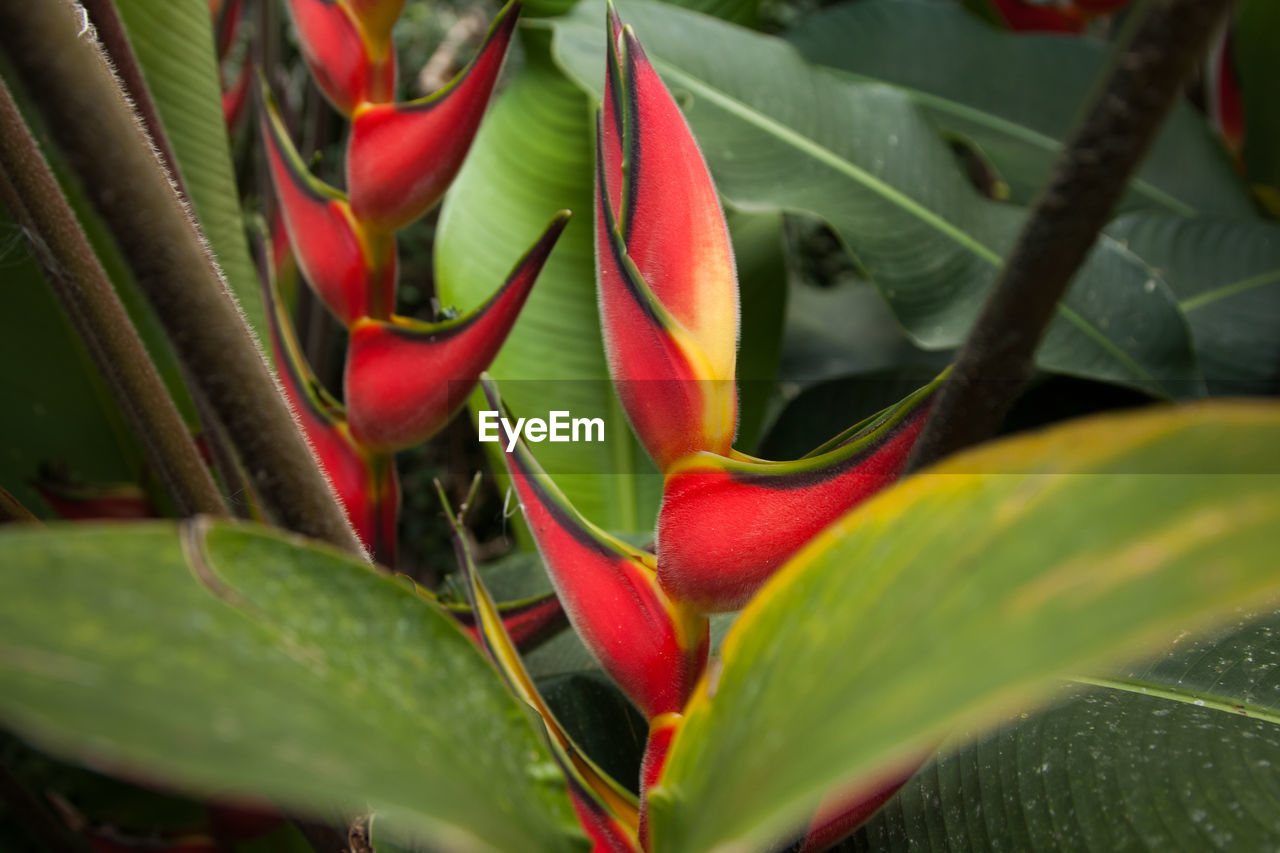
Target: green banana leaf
[948,601]
[1175,755]
[228,658]
[1226,276]
[1015,96]
[780,133]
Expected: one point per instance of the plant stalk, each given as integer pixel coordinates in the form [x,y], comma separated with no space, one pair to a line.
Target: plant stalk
[1089,177]
[58,61]
[30,191]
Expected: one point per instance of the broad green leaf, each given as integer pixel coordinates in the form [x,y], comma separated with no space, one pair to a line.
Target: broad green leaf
[1226,276]
[228,658]
[174,44]
[1015,95]
[1175,755]
[780,133]
[532,157]
[949,600]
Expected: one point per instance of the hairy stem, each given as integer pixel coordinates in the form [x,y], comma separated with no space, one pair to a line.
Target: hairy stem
[81,101]
[1088,179]
[30,191]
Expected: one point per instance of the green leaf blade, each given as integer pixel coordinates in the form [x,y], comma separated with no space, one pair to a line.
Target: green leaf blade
[252,663]
[174,44]
[949,599]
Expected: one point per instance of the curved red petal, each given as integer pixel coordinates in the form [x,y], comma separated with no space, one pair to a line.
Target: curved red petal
[405,379]
[338,56]
[402,157]
[675,405]
[652,649]
[725,528]
[672,223]
[353,278]
[367,485]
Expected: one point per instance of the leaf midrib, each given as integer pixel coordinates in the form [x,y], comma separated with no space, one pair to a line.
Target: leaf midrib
[1197,698]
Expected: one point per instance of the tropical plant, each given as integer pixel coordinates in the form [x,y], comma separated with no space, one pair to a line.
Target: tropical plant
[1061,637]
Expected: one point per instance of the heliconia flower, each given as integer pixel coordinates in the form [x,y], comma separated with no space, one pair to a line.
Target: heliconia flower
[340,59]
[728,523]
[405,379]
[366,483]
[529,622]
[402,157]
[608,812]
[665,268]
[352,271]
[653,647]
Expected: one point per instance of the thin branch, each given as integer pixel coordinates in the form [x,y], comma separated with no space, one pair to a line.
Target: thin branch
[30,191]
[996,360]
[87,114]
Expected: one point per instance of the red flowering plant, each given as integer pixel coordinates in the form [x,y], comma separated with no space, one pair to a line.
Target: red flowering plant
[779,636]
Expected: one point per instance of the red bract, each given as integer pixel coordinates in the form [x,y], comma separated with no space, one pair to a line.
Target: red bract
[608,812]
[366,483]
[727,524]
[340,59]
[236,98]
[668,287]
[402,157]
[654,648]
[352,272]
[405,379]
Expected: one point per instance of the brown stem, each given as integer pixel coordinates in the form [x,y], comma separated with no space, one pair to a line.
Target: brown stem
[87,114]
[996,359]
[31,192]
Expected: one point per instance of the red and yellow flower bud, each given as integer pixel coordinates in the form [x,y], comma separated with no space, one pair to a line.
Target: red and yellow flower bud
[608,812]
[351,271]
[727,524]
[342,63]
[665,268]
[366,483]
[651,646]
[402,157]
[405,379]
